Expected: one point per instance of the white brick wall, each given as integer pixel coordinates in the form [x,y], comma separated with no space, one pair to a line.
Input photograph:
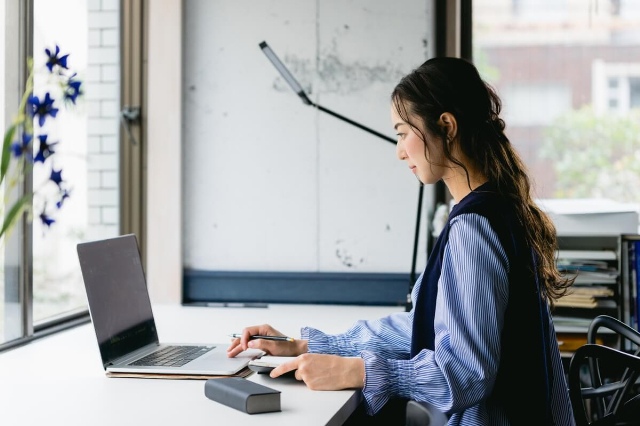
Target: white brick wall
[102,96]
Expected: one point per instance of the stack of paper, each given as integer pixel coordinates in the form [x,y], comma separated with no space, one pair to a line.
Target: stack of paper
[587,297]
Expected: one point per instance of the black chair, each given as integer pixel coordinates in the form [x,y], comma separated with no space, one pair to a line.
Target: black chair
[610,399]
[424,414]
[628,336]
[602,380]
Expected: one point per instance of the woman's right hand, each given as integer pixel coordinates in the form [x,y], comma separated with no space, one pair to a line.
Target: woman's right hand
[271,347]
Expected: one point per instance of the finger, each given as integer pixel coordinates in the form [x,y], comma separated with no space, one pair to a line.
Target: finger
[244,339]
[285,368]
[231,347]
[267,345]
[247,332]
[235,347]
[232,352]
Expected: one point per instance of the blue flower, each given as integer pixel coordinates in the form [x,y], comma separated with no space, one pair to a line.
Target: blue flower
[42,109]
[46,219]
[64,194]
[45,149]
[23,148]
[54,59]
[56,176]
[25,130]
[72,89]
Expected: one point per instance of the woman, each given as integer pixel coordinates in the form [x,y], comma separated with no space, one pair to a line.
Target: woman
[479,343]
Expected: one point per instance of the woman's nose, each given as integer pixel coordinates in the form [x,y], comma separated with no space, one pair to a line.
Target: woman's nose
[400,152]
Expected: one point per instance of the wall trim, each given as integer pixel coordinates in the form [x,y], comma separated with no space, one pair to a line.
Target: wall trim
[163,212]
[256,287]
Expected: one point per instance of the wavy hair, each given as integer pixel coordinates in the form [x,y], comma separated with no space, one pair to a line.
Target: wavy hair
[454,85]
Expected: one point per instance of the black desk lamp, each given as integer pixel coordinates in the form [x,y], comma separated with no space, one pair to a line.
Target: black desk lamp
[284,72]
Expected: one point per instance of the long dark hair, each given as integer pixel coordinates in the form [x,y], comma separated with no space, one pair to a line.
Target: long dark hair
[454,85]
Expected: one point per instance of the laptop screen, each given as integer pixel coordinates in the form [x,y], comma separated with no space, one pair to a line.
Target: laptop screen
[117,293]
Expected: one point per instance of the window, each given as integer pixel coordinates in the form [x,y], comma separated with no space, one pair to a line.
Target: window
[40,280]
[616,87]
[568,73]
[89,31]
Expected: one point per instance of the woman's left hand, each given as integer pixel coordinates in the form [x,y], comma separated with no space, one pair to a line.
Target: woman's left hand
[325,372]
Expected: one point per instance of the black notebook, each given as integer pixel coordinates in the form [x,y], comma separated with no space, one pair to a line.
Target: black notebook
[243,395]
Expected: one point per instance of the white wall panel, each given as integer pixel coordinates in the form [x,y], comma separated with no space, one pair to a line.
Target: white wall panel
[272,184]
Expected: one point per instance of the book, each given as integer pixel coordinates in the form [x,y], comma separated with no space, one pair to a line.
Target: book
[590,296]
[245,372]
[243,395]
[569,342]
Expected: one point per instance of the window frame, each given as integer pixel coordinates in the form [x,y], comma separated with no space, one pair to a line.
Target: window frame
[18,245]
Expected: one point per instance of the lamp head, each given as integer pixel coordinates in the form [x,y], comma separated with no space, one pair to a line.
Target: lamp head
[284,72]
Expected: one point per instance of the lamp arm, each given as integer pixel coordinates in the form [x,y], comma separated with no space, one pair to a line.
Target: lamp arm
[360,126]
[297,88]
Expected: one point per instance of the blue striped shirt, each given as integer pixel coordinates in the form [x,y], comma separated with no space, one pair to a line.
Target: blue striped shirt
[458,376]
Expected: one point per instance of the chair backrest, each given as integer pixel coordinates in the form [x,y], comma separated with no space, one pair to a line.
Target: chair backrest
[629,341]
[625,332]
[603,380]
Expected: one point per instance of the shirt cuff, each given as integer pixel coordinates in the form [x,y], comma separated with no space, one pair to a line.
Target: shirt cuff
[385,379]
[376,390]
[319,342]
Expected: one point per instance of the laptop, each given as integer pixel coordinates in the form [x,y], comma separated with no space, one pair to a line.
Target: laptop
[122,317]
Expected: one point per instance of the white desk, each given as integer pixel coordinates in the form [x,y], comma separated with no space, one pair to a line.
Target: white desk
[37,386]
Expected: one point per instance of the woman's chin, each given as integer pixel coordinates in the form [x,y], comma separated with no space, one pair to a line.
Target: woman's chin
[426,180]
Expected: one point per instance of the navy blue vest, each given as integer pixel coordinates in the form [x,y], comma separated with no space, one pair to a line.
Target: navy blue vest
[524,381]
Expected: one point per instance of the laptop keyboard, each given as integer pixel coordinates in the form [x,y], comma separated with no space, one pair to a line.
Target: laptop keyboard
[172,356]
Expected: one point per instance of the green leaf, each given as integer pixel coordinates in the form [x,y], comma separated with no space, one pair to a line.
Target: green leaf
[6,152]
[15,212]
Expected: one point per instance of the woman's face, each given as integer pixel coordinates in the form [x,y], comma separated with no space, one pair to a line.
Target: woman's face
[412,149]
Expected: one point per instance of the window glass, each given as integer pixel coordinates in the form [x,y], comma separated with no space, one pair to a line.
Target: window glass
[567,72]
[87,151]
[86,138]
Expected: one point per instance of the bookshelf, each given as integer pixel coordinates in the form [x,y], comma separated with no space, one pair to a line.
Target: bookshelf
[595,261]
[593,236]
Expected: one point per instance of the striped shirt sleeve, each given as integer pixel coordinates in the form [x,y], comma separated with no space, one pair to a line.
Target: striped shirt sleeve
[389,337]
[472,297]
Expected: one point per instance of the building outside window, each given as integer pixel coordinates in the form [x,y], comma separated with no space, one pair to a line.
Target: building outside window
[568,73]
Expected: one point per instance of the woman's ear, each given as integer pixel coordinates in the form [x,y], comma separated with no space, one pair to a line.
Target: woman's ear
[448,121]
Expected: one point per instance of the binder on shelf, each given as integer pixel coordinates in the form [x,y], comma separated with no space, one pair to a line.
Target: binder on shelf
[630,282]
[634,283]
[630,264]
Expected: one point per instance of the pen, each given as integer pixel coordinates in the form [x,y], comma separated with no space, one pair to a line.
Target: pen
[257,336]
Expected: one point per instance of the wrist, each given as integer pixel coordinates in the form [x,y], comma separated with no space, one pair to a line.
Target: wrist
[302,346]
[358,376]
